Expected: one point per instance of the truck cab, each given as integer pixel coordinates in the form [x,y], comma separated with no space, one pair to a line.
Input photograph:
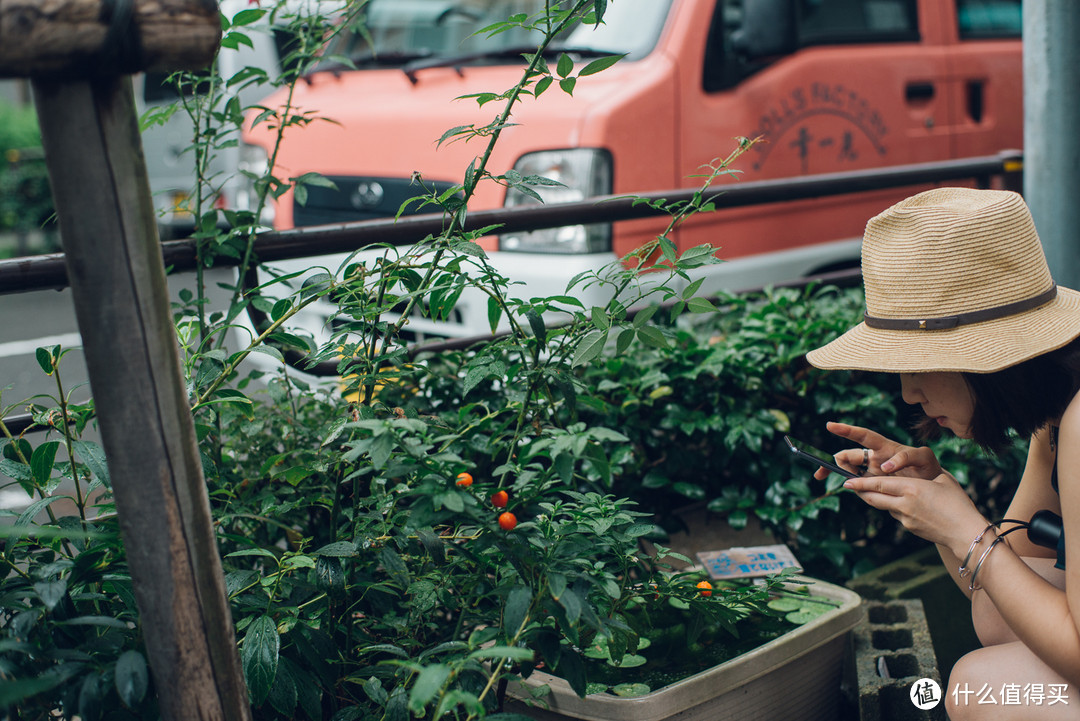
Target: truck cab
[827,86]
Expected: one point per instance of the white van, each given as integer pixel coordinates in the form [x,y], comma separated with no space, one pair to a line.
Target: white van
[170,161]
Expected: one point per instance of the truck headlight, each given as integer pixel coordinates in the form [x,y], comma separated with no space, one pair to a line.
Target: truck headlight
[583,172]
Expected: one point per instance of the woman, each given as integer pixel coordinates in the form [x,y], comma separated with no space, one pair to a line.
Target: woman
[960,303]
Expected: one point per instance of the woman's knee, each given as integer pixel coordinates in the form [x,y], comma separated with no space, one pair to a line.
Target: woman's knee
[961,674]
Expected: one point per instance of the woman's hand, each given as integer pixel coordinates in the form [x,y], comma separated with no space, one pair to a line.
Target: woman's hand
[885,457]
[910,485]
[937,509]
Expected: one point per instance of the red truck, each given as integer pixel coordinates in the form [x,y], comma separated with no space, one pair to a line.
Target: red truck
[829,85]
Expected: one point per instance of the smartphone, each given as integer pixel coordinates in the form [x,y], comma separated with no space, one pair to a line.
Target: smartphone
[818,458]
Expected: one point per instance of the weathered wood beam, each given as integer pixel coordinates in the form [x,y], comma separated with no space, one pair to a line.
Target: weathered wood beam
[107,225]
[77,53]
[84,38]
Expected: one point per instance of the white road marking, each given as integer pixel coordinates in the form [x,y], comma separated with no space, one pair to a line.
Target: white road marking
[27,347]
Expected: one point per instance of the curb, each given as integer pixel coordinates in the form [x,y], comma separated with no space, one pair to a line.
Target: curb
[893,650]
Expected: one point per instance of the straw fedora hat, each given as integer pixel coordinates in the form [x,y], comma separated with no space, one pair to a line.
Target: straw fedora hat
[955,280]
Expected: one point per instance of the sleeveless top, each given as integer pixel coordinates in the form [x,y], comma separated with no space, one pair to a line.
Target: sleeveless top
[1054,483]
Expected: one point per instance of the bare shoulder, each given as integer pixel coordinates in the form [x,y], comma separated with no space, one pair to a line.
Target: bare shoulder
[1069,429]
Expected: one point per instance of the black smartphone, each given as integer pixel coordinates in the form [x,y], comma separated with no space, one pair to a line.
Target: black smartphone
[818,458]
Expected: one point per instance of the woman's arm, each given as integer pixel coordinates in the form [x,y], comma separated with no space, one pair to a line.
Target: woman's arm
[1042,616]
[1035,493]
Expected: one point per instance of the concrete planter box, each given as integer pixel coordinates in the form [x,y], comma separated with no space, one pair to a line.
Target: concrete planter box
[796,677]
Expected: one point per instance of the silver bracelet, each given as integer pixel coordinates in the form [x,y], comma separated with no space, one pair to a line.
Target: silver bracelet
[964,563]
[972,586]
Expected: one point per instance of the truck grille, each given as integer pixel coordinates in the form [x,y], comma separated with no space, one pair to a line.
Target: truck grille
[361,199]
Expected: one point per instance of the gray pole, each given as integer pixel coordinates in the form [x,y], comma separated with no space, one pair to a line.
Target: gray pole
[1052,131]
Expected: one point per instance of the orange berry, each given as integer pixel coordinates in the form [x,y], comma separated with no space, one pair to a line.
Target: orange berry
[464,480]
[499,499]
[705,588]
[507,521]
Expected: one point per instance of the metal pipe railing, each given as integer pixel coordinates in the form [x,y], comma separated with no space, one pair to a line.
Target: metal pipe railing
[48,271]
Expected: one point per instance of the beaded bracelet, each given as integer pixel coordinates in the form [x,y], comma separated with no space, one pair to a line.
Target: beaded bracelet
[963,564]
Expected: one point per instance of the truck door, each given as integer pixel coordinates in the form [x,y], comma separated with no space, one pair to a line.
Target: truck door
[846,85]
[985,68]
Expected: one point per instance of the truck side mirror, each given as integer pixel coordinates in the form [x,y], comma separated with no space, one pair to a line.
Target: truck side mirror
[768,29]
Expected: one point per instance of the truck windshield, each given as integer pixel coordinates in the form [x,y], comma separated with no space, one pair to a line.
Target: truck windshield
[396,32]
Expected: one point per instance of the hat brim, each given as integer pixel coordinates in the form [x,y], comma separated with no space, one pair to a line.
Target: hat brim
[977,348]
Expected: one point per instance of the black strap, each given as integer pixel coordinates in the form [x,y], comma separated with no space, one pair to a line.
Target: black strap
[952,321]
[122,50]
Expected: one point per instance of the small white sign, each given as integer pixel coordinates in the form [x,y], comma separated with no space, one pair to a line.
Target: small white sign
[748,562]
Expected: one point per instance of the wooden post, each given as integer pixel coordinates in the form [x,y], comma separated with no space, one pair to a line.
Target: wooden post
[76,52]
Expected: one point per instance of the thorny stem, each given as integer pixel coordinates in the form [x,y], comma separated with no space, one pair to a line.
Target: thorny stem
[496,672]
[239,357]
[80,502]
[457,218]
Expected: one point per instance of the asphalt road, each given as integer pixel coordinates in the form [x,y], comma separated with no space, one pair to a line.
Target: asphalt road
[43,319]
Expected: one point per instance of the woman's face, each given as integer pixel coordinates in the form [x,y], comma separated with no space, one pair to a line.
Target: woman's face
[944,397]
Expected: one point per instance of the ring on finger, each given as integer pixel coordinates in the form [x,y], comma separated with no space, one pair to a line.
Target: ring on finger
[866,456]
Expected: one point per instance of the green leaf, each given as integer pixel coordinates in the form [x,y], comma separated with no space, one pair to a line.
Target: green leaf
[691,490]
[334,431]
[567,85]
[600,64]
[428,684]
[14,691]
[42,460]
[599,318]
[338,549]
[247,16]
[280,309]
[700,305]
[623,340]
[565,65]
[645,315]
[591,346]
[259,654]
[513,653]
[20,472]
[630,690]
[253,552]
[94,457]
[329,575]
[572,668]
[571,602]
[517,610]
[31,511]
[91,696]
[375,691]
[45,360]
[536,322]
[132,678]
[283,693]
[494,313]
[652,336]
[51,592]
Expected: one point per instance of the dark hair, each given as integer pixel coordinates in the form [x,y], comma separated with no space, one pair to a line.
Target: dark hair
[1023,398]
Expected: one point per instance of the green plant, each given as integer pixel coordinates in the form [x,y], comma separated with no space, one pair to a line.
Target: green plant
[365,581]
[25,198]
[70,636]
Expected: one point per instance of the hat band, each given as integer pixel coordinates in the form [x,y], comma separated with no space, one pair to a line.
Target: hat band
[952,321]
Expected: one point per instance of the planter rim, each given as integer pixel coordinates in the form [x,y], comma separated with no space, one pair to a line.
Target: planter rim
[712,682]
